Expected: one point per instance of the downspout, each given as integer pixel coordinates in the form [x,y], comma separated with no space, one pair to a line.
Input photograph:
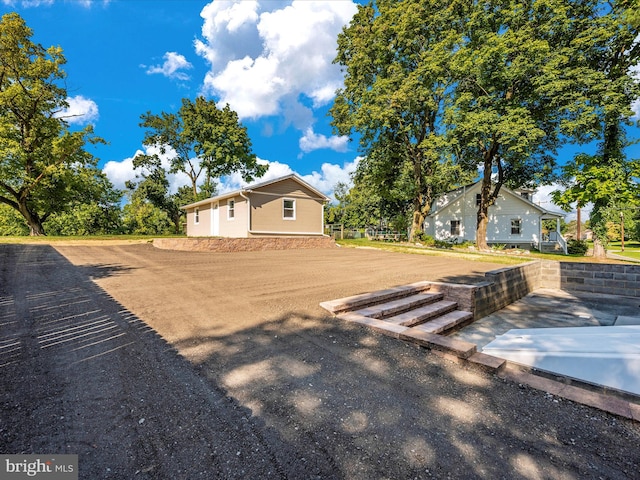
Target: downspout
[248,211]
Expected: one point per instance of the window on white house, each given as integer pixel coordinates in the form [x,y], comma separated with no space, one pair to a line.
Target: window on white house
[455,227]
[288,209]
[196,216]
[231,209]
[516,226]
[478,199]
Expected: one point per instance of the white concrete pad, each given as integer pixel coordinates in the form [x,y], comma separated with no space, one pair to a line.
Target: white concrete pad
[624,320]
[607,356]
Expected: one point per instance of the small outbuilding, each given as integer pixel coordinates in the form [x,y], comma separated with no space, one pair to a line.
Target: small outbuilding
[285,206]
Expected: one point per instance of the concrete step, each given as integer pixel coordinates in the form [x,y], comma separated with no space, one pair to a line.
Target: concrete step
[422,314]
[446,322]
[400,305]
[356,302]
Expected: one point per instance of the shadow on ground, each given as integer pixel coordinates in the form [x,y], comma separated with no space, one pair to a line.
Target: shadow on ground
[297,396]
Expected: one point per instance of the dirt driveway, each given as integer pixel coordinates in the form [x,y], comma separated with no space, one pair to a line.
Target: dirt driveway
[266,385]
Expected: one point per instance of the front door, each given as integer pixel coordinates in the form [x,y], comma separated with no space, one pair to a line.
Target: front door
[215,220]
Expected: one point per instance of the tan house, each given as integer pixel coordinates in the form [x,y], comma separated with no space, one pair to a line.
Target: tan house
[286,206]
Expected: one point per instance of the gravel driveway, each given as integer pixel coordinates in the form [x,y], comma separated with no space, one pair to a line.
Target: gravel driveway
[177,365]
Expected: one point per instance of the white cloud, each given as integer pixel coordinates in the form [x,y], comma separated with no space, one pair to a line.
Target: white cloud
[543,198]
[119,172]
[313,141]
[263,59]
[172,67]
[325,180]
[635,74]
[635,107]
[80,111]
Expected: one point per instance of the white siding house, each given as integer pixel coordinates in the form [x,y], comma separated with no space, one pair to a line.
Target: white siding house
[514,220]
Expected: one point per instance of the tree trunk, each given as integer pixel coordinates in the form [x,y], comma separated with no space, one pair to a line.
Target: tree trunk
[417,224]
[482,218]
[598,249]
[481,229]
[33,220]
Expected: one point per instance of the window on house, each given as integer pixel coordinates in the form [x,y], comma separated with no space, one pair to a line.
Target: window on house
[478,199]
[288,209]
[231,209]
[196,216]
[455,227]
[516,226]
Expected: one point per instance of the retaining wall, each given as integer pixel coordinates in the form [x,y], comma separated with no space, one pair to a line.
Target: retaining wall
[607,278]
[221,245]
[507,285]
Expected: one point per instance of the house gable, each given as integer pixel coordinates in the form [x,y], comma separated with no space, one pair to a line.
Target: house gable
[513,219]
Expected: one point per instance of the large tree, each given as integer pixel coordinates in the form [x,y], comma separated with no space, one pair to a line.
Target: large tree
[396,59]
[43,165]
[610,46]
[514,73]
[200,140]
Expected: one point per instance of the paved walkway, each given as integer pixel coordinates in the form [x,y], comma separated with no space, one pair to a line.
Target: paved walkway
[546,308]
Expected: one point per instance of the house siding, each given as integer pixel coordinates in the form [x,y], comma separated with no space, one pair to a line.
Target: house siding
[267,214]
[506,208]
[203,227]
[263,213]
[236,227]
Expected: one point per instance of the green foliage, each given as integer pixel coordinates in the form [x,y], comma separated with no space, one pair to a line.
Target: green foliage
[610,52]
[200,138]
[44,167]
[396,62]
[11,222]
[85,219]
[140,217]
[577,247]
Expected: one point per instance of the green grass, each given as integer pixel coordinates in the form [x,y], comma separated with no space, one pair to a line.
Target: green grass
[631,249]
[494,257]
[84,238]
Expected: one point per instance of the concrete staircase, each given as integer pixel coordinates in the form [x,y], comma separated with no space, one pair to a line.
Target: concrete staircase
[399,308]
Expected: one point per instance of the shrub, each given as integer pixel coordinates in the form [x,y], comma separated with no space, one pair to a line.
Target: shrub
[424,239]
[577,247]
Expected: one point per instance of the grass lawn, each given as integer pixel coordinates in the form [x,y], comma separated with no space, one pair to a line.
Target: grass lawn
[84,238]
[631,249]
[497,257]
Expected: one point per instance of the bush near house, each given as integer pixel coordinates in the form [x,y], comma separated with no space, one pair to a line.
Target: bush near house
[577,247]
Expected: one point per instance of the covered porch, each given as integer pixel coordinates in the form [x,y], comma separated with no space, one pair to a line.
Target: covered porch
[551,241]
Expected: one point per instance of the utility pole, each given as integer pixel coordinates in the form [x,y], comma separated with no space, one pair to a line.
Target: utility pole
[622,229]
[578,232]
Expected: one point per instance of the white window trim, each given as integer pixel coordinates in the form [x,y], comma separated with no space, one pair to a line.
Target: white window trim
[519,220]
[294,208]
[459,229]
[229,209]
[196,216]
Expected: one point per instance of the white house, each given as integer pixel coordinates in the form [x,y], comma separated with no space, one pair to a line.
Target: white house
[514,220]
[285,206]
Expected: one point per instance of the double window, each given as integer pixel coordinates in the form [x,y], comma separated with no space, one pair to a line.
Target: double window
[196,216]
[455,228]
[288,209]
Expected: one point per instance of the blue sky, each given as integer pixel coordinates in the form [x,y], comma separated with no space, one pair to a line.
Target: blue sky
[270,60]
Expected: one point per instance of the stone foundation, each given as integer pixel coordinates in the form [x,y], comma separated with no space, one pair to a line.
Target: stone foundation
[225,245]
